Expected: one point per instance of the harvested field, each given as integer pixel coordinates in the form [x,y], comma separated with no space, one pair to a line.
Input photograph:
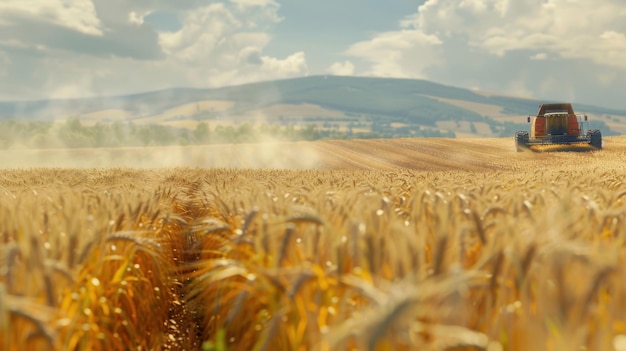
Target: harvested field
[403,244]
[473,154]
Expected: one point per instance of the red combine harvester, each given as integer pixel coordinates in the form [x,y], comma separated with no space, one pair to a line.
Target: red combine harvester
[557,124]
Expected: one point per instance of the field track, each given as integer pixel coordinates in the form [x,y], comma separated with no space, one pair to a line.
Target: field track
[389,154]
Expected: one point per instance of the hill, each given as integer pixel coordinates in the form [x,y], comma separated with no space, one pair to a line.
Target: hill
[382,107]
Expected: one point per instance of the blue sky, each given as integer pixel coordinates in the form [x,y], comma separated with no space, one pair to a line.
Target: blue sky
[324,35]
[571,50]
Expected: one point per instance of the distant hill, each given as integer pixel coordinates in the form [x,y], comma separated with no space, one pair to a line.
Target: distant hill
[397,107]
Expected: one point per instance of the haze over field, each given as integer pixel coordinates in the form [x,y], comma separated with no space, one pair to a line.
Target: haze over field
[423,154]
[558,49]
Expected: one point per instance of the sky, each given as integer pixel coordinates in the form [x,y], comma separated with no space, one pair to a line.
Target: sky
[570,50]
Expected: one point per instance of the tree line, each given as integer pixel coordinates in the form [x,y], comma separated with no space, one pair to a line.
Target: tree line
[73,133]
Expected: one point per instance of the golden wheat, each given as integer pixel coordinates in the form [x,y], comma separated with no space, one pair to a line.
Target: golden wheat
[225,259]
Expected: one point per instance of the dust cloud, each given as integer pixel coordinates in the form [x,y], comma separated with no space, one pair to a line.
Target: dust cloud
[266,155]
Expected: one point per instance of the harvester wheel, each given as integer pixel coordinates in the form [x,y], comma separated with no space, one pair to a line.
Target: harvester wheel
[521,140]
[595,138]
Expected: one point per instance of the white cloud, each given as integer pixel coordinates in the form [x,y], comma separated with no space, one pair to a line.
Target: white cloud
[571,29]
[255,3]
[539,56]
[226,46]
[78,15]
[205,31]
[610,49]
[529,47]
[83,27]
[345,68]
[403,53]
[136,18]
[292,65]
[219,44]
[267,9]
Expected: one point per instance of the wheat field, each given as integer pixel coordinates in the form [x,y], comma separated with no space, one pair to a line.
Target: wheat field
[376,245]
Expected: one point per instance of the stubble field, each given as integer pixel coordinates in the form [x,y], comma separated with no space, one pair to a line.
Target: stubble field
[340,245]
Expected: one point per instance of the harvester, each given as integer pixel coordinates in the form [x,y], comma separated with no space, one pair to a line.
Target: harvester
[557,124]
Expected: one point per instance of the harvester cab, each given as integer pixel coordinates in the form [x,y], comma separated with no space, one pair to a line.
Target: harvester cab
[557,124]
